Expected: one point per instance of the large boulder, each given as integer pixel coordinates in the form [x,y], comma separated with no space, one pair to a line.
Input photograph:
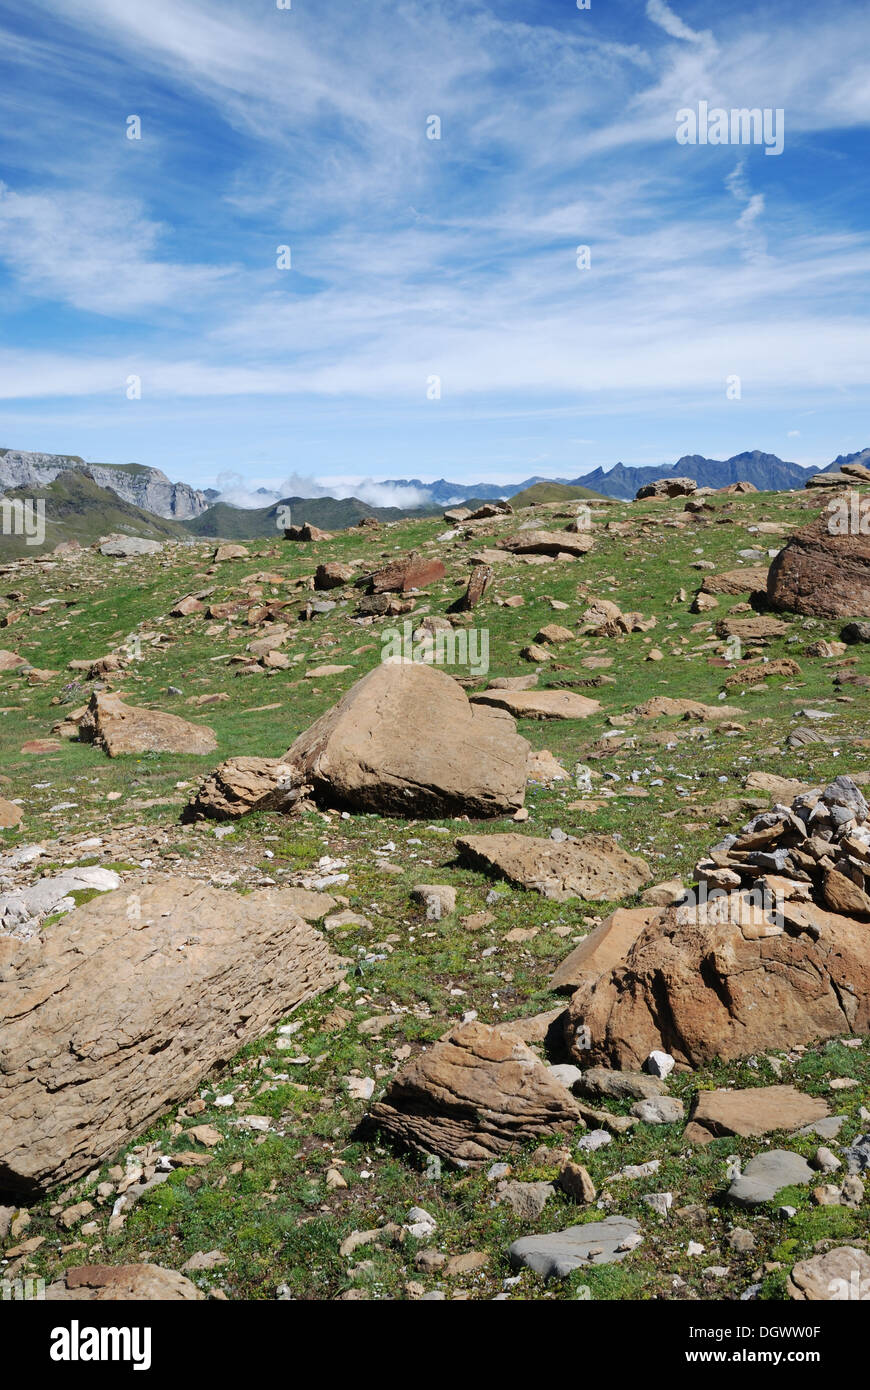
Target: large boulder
[838,1275]
[10,814]
[405,741]
[667,487]
[120,728]
[122,1008]
[594,868]
[477,1094]
[824,572]
[699,985]
[124,547]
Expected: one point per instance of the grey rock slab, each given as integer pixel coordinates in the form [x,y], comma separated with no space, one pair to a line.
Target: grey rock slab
[857,1155]
[557,1254]
[767,1174]
[826,1128]
[659,1110]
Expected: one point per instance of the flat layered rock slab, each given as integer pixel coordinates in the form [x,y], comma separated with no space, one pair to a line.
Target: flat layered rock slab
[120,1010]
[474,1096]
[755,1112]
[122,1284]
[557,1255]
[594,868]
[549,543]
[739,581]
[119,728]
[539,704]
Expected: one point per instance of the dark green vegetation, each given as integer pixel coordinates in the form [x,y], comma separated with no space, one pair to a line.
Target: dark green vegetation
[329,513]
[263,1199]
[78,509]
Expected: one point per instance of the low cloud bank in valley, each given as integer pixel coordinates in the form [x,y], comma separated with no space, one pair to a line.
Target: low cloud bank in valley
[236,491]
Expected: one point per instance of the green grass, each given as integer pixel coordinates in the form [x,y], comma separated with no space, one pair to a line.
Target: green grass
[274,1216]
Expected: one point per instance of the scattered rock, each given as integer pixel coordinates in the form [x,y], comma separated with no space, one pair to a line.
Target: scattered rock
[120,729]
[474,1096]
[593,868]
[556,1255]
[767,1174]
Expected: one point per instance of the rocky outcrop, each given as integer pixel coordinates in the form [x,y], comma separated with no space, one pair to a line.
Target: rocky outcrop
[604,947]
[122,1284]
[667,487]
[756,961]
[119,1011]
[477,1094]
[147,488]
[405,740]
[594,868]
[700,989]
[120,728]
[824,572]
[241,785]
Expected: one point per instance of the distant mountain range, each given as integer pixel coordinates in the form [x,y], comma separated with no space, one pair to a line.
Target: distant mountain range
[87,500]
[765,471]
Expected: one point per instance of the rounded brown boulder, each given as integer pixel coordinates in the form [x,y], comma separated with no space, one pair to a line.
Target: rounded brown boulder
[824,570]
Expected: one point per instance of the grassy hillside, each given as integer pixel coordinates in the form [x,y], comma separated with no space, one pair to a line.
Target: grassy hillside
[669,788]
[555,492]
[77,509]
[329,513]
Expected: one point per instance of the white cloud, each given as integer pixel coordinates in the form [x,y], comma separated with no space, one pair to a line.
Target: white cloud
[237,490]
[662,15]
[95,253]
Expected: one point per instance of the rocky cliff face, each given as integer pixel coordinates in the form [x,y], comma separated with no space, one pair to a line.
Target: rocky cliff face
[147,488]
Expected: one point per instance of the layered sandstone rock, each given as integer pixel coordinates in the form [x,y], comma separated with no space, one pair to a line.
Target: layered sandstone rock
[120,728]
[119,1011]
[477,1094]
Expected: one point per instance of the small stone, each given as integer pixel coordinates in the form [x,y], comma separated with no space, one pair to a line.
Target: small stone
[661,1202]
[659,1064]
[660,1110]
[741,1240]
[576,1182]
[826,1161]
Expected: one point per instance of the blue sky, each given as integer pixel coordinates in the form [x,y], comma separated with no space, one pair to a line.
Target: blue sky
[414,258]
